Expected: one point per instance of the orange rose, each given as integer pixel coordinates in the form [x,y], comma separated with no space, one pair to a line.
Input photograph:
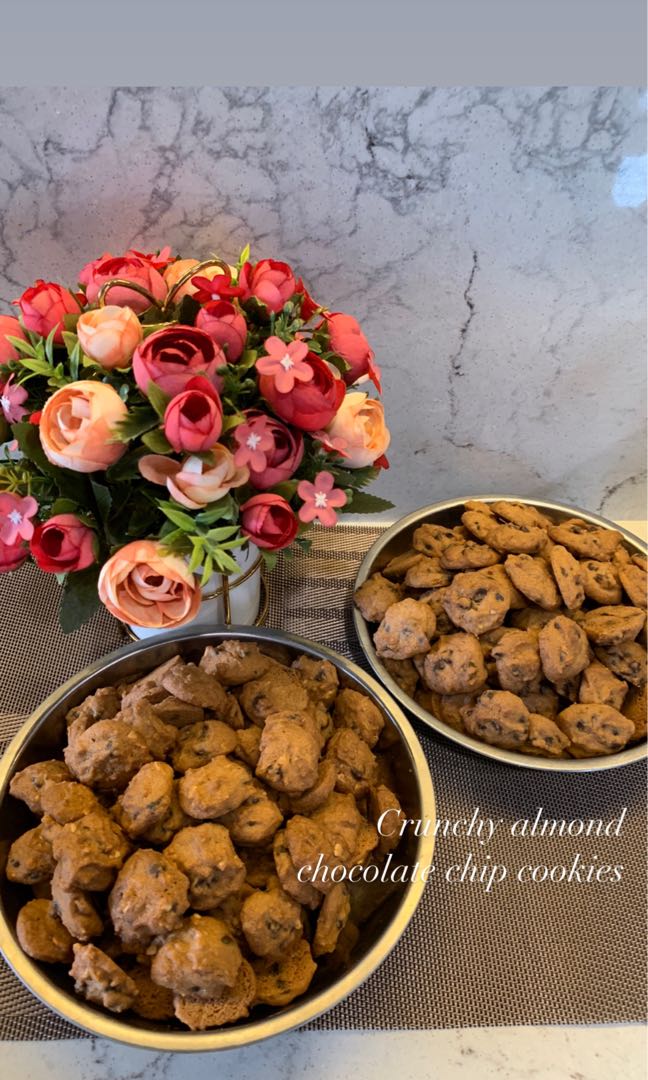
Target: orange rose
[76,426]
[110,335]
[178,269]
[360,423]
[142,586]
[196,481]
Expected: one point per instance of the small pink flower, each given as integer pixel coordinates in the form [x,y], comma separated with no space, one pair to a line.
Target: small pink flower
[285,363]
[254,441]
[320,499]
[14,517]
[330,443]
[11,401]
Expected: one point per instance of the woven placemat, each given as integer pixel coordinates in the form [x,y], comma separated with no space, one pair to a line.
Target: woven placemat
[521,953]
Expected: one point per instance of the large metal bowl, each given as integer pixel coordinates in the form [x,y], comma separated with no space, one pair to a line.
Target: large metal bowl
[397,539]
[392,907]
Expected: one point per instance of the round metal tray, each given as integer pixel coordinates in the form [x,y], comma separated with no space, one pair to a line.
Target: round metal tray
[396,540]
[387,914]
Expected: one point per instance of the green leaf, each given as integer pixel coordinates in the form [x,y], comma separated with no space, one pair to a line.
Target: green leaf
[196,558]
[225,509]
[64,506]
[135,423]
[364,503]
[152,328]
[30,445]
[70,340]
[232,421]
[304,542]
[178,517]
[224,533]
[22,347]
[225,563]
[75,358]
[157,442]
[159,400]
[208,570]
[286,489]
[245,255]
[270,558]
[80,598]
[188,310]
[70,320]
[102,498]
[49,345]
[126,468]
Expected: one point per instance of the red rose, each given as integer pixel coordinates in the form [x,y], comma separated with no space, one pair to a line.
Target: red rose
[225,325]
[270,282]
[173,356]
[193,420]
[134,268]
[269,522]
[308,305]
[347,340]
[309,406]
[63,543]
[43,307]
[283,460]
[12,556]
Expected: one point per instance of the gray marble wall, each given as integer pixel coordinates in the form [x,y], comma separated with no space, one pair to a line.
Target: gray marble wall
[491,241]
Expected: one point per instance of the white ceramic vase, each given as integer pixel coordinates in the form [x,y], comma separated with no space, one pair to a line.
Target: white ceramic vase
[241,595]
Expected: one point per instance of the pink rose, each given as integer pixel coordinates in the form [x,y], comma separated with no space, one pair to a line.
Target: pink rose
[63,543]
[173,356]
[77,426]
[347,340]
[193,420]
[269,522]
[225,325]
[360,422]
[131,267]
[9,327]
[43,307]
[270,282]
[197,481]
[12,556]
[285,450]
[309,405]
[109,335]
[141,585]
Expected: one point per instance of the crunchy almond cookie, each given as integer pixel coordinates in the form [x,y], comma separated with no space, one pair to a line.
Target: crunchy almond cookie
[427,573]
[301,891]
[599,686]
[601,582]
[206,857]
[176,713]
[397,567]
[476,602]
[41,933]
[516,539]
[289,755]
[498,574]
[30,783]
[520,514]
[318,794]
[455,665]
[214,789]
[153,1002]
[149,897]
[194,685]
[276,690]
[101,980]
[278,982]
[635,707]
[468,555]
[544,700]
[585,540]
[385,809]
[255,821]
[168,826]
[517,660]
[89,851]
[569,576]
[432,539]
[532,618]
[199,743]
[405,630]
[201,958]
[232,1003]
[354,762]
[358,712]
[233,663]
[104,704]
[613,625]
[564,650]
[155,733]
[595,729]
[627,660]
[640,560]
[30,858]
[107,755]
[533,578]
[76,910]
[544,738]
[271,922]
[248,745]
[374,596]
[634,580]
[498,718]
[434,599]
[403,673]
[147,799]
[68,801]
[448,708]
[320,678]
[332,919]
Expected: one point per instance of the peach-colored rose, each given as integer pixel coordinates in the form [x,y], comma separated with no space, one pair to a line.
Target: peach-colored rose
[178,269]
[9,327]
[110,335]
[196,481]
[76,426]
[360,422]
[142,586]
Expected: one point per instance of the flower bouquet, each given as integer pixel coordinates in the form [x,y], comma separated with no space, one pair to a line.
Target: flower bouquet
[169,413]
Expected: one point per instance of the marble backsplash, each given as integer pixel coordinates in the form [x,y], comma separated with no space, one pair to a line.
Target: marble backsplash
[491,242]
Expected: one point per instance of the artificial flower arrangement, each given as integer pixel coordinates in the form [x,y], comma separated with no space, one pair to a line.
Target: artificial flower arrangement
[169,413]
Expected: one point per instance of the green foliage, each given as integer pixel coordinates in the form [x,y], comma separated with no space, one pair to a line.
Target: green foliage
[159,400]
[138,420]
[157,442]
[361,502]
[80,598]
[207,547]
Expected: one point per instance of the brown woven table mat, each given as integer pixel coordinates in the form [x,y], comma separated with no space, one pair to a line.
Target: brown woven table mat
[520,954]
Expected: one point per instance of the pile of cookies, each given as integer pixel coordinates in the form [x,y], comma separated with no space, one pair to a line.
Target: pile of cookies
[522,631]
[175,855]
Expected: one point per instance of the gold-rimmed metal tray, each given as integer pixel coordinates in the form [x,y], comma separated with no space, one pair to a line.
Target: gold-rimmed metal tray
[388,910]
[396,540]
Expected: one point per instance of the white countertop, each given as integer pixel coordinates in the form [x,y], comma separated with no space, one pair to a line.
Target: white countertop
[505,1053]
